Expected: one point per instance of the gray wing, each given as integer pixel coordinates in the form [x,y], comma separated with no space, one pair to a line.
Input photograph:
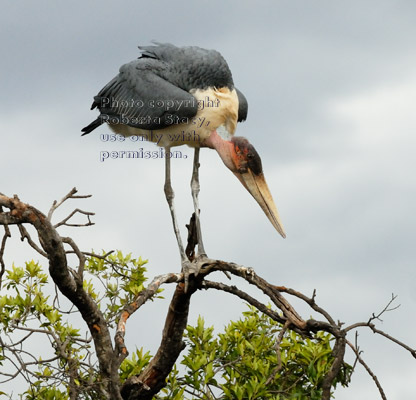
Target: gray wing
[151,92]
[142,96]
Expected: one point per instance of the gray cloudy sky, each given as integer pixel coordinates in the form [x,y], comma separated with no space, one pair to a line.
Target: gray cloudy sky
[331,88]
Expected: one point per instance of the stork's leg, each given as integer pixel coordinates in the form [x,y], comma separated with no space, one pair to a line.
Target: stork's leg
[186,264]
[195,193]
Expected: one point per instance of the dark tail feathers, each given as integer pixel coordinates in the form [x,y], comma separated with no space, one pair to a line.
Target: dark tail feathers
[92,126]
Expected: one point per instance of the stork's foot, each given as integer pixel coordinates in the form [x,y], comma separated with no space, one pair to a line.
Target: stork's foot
[193,241]
[193,268]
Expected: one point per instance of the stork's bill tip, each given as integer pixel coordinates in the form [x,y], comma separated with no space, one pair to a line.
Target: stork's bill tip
[257,186]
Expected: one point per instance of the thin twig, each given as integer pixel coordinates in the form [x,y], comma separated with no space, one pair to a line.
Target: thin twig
[77,210]
[24,234]
[2,248]
[137,302]
[370,372]
[70,195]
[246,297]
[309,300]
[78,252]
[384,310]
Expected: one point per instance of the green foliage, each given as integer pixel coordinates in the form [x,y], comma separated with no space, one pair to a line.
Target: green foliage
[134,365]
[242,363]
[25,309]
[122,278]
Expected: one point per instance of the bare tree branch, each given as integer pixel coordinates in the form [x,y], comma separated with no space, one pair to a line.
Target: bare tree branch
[70,195]
[25,235]
[132,307]
[153,377]
[79,254]
[367,368]
[77,210]
[372,326]
[208,265]
[384,310]
[2,248]
[306,299]
[246,297]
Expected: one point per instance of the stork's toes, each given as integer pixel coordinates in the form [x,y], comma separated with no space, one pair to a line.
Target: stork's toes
[192,268]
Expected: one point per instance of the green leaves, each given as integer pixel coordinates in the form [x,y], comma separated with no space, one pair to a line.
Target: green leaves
[121,277]
[27,311]
[25,299]
[133,365]
[243,363]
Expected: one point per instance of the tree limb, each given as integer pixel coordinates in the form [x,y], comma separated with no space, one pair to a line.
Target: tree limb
[367,368]
[153,377]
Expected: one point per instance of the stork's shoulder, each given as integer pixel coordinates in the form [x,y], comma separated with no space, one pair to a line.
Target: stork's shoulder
[192,67]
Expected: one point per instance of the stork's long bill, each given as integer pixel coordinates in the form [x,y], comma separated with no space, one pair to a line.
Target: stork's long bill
[240,156]
[257,186]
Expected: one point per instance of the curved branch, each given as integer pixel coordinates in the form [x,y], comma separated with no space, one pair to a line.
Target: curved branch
[380,332]
[153,378]
[79,254]
[367,368]
[243,295]
[251,277]
[70,195]
[24,234]
[132,307]
[309,300]
[2,248]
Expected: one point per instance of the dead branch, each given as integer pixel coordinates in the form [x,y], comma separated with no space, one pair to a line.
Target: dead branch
[70,195]
[244,296]
[153,378]
[132,307]
[384,310]
[78,252]
[372,326]
[310,301]
[250,276]
[368,369]
[2,248]
[77,210]
[24,234]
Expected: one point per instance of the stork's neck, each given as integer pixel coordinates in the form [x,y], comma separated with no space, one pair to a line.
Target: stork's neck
[223,147]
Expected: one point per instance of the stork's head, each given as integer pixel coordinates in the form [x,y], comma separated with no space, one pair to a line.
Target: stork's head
[240,156]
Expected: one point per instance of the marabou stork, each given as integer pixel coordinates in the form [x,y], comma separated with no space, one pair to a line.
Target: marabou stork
[185,95]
